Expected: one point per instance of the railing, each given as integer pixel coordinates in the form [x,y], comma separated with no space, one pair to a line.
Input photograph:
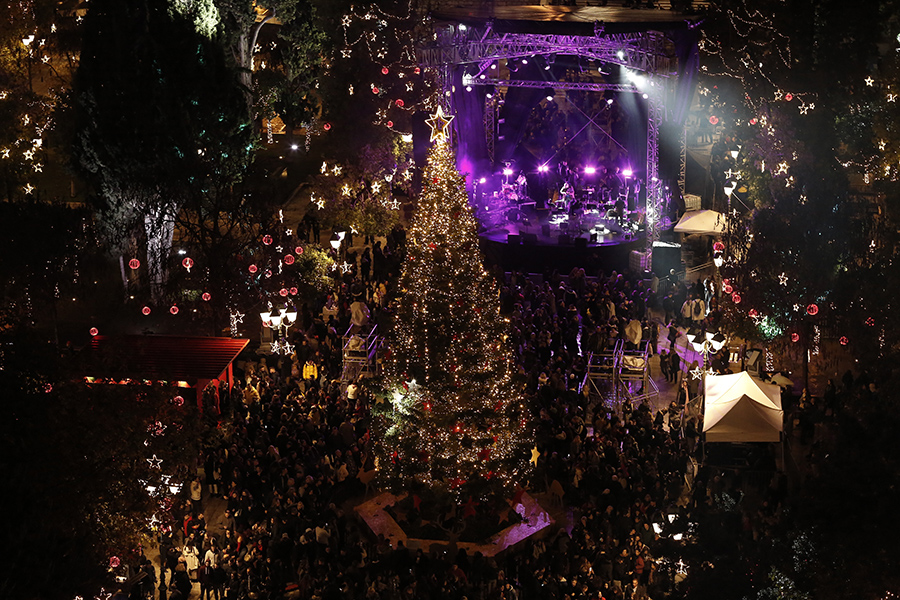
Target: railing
[360,352]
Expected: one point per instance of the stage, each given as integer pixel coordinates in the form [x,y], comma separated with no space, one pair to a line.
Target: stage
[569,128]
[592,238]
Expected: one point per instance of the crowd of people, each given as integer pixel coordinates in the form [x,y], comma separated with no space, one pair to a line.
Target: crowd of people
[296,452]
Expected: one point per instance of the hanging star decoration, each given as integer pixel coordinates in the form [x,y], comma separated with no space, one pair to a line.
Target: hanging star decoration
[696,373]
[783,279]
[38,167]
[782,168]
[345,190]
[29,154]
[354,230]
[337,170]
[892,97]
[376,187]
[5,153]
[345,53]
[535,455]
[28,188]
[154,462]
[407,175]
[280,216]
[394,205]
[279,249]
[345,267]
[439,123]
[882,145]
[289,232]
[238,317]
[796,308]
[681,567]
[324,168]
[409,86]
[804,108]
[345,21]
[869,81]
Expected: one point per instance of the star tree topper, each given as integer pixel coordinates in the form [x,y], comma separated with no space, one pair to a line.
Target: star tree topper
[439,123]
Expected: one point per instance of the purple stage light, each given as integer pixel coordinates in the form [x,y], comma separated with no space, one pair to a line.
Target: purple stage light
[590,170]
[543,168]
[507,172]
[482,180]
[627,172]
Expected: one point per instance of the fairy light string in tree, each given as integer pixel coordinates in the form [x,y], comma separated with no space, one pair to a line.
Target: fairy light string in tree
[451,416]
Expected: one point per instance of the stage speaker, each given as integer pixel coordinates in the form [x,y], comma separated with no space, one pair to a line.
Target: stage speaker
[513,238]
[545,229]
[564,239]
[581,243]
[529,238]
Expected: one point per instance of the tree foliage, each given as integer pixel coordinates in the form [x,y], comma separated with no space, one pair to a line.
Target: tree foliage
[76,470]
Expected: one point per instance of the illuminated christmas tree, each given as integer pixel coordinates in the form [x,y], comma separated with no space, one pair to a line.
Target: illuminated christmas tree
[452,416]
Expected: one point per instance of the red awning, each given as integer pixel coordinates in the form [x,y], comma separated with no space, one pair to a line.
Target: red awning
[161,357]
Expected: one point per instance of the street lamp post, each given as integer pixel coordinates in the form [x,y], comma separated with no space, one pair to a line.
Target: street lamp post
[26,41]
[279,321]
[706,343]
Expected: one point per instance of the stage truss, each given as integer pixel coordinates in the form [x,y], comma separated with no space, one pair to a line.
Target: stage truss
[648,53]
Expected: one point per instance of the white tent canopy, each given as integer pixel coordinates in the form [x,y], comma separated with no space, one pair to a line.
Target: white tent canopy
[703,222]
[739,408]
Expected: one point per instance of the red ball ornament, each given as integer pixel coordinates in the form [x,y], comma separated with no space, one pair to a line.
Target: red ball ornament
[174,310]
[178,401]
[114,562]
[267,240]
[718,246]
[727,288]
[736,298]
[390,123]
[252,268]
[795,337]
[788,96]
[268,273]
[298,250]
[206,296]
[288,259]
[714,120]
[293,291]
[753,121]
[399,102]
[283,292]
[753,313]
[145,311]
[844,341]
[417,70]
[327,126]
[134,263]
[870,322]
[812,310]
[94,331]
[375,90]
[384,70]
[187,263]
